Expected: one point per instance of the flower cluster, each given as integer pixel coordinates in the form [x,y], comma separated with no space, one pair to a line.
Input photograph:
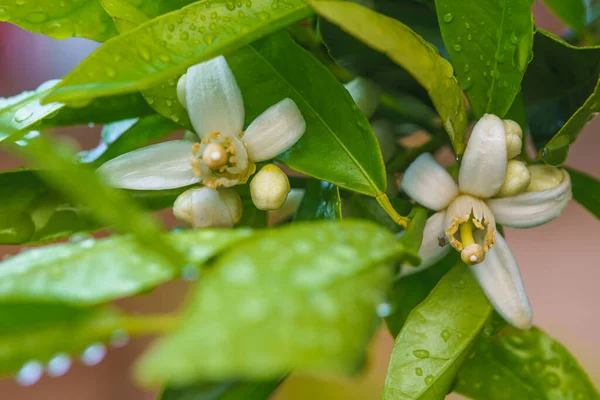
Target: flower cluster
[223,157]
[492,188]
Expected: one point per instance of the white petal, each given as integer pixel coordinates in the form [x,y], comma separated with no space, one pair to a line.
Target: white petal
[430,251]
[501,282]
[532,208]
[156,167]
[384,132]
[483,166]
[213,98]
[274,131]
[428,183]
[365,94]
[210,210]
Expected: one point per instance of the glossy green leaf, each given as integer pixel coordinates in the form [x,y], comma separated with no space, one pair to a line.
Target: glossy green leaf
[24,112]
[39,332]
[274,68]
[163,99]
[413,236]
[489,43]
[321,201]
[228,390]
[571,12]
[108,205]
[93,271]
[410,51]
[128,15]
[124,136]
[408,292]
[560,93]
[261,311]
[162,47]
[436,338]
[523,365]
[363,207]
[60,20]
[586,191]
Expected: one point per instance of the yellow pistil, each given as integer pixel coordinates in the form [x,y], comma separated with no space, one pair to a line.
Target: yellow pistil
[472,253]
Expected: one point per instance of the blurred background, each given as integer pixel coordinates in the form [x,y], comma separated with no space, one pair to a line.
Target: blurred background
[558,260]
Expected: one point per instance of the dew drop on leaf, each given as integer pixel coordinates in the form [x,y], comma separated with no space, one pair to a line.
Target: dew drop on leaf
[94,354]
[22,114]
[184,36]
[58,365]
[467,25]
[111,72]
[448,18]
[429,379]
[555,156]
[30,373]
[421,353]
[144,54]
[20,2]
[445,335]
[457,47]
[418,371]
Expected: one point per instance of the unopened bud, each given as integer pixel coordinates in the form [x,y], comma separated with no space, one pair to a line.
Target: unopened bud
[365,94]
[181,90]
[544,177]
[514,138]
[269,188]
[517,179]
[205,207]
[384,132]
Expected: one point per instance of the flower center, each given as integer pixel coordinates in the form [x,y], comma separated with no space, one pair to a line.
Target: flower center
[221,161]
[470,228]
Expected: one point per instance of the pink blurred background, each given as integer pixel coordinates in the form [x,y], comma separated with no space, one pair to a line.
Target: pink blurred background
[557,260]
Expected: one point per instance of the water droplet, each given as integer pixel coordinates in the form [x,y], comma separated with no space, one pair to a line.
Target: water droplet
[263,15]
[168,102]
[429,379]
[513,38]
[536,365]
[209,38]
[421,353]
[466,68]
[384,310]
[492,72]
[184,36]
[212,26]
[63,3]
[30,373]
[22,114]
[418,371]
[171,27]
[58,365]
[456,47]
[466,84]
[469,37]
[445,335]
[144,54]
[111,72]
[3,14]
[552,379]
[150,100]
[461,282]
[36,17]
[467,25]
[20,2]
[499,57]
[94,354]
[555,156]
[164,58]
[190,272]
[59,30]
[119,338]
[175,118]
[448,18]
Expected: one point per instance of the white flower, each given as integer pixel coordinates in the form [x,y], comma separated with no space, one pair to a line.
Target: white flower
[225,155]
[269,188]
[205,207]
[365,94]
[467,214]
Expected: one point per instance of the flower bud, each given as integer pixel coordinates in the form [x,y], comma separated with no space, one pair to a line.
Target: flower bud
[365,94]
[384,132]
[205,207]
[514,138]
[517,179]
[269,188]
[544,177]
[181,90]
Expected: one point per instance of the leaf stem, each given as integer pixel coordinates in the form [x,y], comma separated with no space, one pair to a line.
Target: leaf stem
[384,202]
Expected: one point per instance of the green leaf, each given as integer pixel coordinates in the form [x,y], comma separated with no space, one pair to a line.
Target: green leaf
[412,238]
[24,112]
[261,311]
[586,191]
[128,15]
[163,99]
[321,201]
[96,271]
[561,93]
[523,365]
[410,51]
[358,206]
[571,12]
[228,390]
[79,18]
[39,332]
[109,206]
[436,338]
[160,48]
[408,292]
[124,136]
[274,68]
[489,43]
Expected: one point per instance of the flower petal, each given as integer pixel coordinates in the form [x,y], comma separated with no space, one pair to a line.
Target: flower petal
[430,251]
[428,183]
[274,131]
[156,167]
[532,208]
[213,98]
[365,94]
[501,282]
[209,209]
[483,166]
